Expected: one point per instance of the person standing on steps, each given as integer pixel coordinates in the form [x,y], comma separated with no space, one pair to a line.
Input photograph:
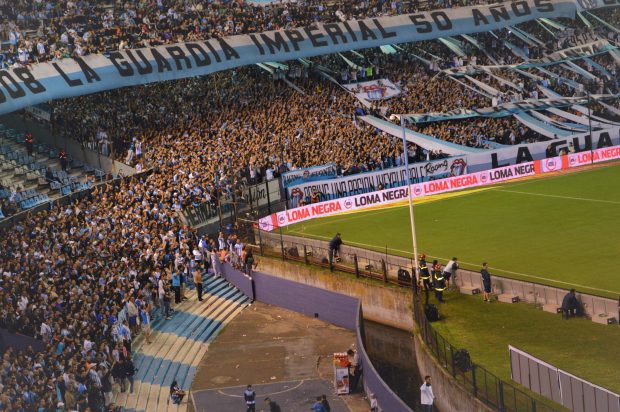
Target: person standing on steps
[198,283]
[145,322]
[64,160]
[250,399]
[176,286]
[486,283]
[29,143]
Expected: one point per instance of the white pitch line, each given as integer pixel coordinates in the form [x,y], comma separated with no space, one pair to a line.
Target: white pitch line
[585,199]
[474,264]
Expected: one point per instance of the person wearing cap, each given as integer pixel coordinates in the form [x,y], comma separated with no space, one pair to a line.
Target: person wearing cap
[272,405]
[425,277]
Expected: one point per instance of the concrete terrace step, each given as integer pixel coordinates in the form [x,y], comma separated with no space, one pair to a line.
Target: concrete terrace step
[165,375]
[158,342]
[178,346]
[183,372]
[189,377]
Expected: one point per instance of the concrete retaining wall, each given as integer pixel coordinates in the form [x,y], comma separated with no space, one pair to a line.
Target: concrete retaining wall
[387,305]
[449,395]
[529,292]
[335,308]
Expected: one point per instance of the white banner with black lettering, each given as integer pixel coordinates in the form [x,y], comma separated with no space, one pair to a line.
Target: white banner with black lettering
[263,193]
[27,86]
[377,180]
[511,155]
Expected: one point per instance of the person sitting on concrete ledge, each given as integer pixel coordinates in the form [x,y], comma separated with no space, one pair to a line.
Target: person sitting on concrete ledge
[570,305]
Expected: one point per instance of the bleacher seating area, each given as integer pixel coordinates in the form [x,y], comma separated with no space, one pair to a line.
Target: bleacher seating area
[179,345]
[23,180]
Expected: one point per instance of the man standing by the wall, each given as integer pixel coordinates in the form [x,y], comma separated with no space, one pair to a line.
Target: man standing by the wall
[334,248]
[486,282]
[450,270]
[427,398]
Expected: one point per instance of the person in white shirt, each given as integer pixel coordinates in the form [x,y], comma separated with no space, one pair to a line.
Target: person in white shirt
[450,270]
[427,398]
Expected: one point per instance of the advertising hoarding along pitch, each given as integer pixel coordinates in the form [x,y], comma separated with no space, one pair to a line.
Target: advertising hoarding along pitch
[467,181]
[387,178]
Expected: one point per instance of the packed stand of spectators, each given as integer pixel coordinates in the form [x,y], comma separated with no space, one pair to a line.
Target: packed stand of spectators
[80,276]
[50,30]
[245,129]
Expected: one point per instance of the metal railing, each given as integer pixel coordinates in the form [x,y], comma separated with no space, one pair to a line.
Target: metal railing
[494,392]
[482,384]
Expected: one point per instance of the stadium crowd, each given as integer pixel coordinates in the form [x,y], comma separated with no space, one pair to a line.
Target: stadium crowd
[51,30]
[85,278]
[79,276]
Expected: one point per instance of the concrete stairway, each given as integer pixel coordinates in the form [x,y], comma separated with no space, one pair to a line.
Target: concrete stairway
[178,346]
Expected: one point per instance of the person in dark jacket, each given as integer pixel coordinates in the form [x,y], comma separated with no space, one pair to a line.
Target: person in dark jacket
[248,262]
[425,277]
[118,373]
[249,396]
[130,371]
[486,282]
[570,305]
[325,403]
[272,405]
[334,248]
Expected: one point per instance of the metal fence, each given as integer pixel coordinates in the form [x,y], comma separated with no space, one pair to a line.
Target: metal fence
[571,391]
[482,384]
[259,199]
[317,253]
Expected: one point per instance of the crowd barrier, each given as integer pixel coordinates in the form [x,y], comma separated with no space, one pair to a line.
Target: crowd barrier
[568,390]
[19,342]
[332,307]
[450,184]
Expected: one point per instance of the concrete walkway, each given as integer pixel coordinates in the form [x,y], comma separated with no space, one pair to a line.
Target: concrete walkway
[284,355]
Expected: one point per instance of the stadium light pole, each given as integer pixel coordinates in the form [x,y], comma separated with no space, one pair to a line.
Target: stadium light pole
[410,196]
[589,114]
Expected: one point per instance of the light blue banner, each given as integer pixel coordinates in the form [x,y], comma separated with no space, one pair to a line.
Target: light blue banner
[25,86]
[310,174]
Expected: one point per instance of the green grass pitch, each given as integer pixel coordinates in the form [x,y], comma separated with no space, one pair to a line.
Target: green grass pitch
[561,230]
